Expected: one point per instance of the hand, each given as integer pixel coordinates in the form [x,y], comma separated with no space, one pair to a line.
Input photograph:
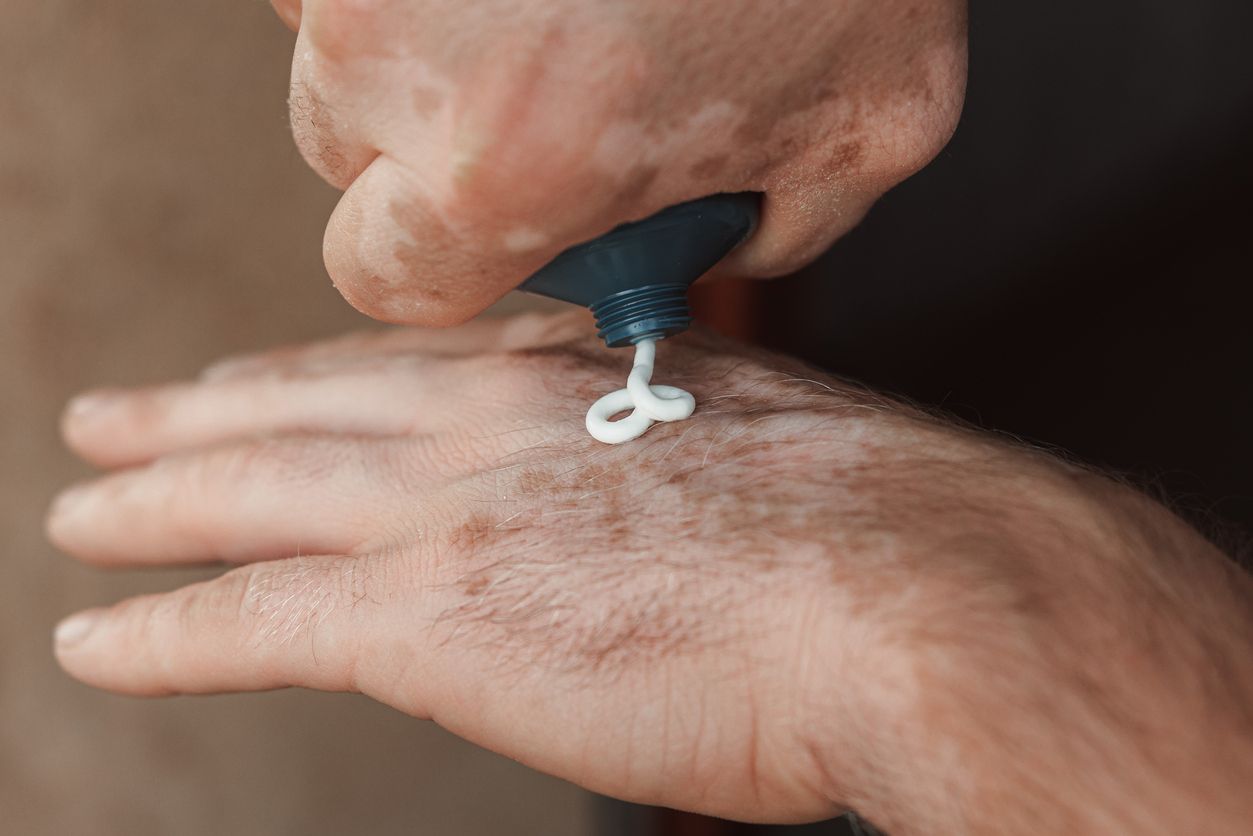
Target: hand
[477,140]
[804,597]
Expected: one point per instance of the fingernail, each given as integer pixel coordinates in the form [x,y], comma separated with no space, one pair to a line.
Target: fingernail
[85,405]
[67,502]
[74,629]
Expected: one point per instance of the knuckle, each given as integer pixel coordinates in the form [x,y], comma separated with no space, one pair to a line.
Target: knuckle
[506,398]
[312,126]
[341,28]
[199,484]
[160,626]
[153,616]
[266,460]
[205,477]
[913,128]
[151,622]
[143,411]
[520,143]
[444,456]
[202,606]
[280,602]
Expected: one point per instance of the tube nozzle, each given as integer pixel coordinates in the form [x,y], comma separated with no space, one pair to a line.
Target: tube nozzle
[635,277]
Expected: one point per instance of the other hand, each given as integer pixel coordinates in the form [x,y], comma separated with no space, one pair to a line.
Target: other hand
[477,140]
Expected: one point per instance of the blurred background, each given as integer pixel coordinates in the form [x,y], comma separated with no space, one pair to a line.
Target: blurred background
[1072,269]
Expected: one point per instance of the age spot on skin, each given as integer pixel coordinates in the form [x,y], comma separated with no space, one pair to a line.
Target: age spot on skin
[847,155]
[473,532]
[476,585]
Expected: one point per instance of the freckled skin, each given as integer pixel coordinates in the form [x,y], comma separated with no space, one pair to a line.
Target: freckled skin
[451,124]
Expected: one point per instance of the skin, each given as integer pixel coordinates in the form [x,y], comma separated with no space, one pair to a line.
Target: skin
[475,141]
[804,598]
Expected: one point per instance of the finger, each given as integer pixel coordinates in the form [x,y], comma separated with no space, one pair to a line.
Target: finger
[396,259]
[246,502]
[332,137]
[293,359]
[118,427]
[289,12]
[483,335]
[267,625]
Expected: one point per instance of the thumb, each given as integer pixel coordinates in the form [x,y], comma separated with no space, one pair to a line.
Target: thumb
[394,258]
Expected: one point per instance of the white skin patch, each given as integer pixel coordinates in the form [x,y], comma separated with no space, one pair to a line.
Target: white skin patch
[524,239]
[623,144]
[648,404]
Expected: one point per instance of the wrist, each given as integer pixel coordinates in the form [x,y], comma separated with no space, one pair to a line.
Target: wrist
[1082,665]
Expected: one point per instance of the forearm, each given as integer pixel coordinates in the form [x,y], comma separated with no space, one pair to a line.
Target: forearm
[1087,668]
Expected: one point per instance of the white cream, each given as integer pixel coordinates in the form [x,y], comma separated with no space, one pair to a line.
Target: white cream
[648,404]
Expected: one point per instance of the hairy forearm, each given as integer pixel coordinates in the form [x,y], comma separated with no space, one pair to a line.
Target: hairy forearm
[1073,658]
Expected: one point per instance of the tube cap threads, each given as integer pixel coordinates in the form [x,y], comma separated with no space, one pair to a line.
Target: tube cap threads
[650,312]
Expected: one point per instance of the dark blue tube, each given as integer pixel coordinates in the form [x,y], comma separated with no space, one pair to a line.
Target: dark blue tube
[635,277]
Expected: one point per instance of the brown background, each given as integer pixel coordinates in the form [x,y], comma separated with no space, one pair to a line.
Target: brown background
[1072,269]
[153,216]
